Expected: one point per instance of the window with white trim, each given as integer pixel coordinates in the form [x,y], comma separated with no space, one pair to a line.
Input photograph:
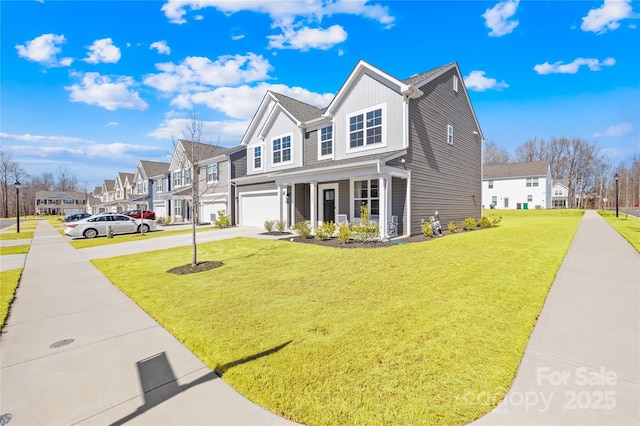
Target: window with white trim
[494,200]
[159,185]
[212,173]
[557,192]
[490,184]
[365,128]
[455,83]
[139,188]
[257,157]
[532,182]
[529,198]
[177,178]
[178,209]
[449,134]
[365,192]
[187,177]
[282,150]
[326,141]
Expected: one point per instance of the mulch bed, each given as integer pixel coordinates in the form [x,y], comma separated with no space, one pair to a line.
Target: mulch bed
[333,242]
[200,267]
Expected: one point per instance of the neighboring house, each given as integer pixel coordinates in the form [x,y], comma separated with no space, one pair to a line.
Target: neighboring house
[213,171]
[517,186]
[560,197]
[94,201]
[108,196]
[404,148]
[145,195]
[60,202]
[123,189]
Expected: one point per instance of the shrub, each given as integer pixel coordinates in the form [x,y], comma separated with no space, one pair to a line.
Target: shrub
[222,220]
[344,233]
[427,230]
[281,226]
[160,220]
[485,222]
[268,225]
[303,229]
[470,224]
[325,230]
[366,230]
[495,218]
[168,219]
[452,227]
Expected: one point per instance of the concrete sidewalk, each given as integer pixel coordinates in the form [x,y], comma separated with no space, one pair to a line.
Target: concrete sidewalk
[76,350]
[582,363]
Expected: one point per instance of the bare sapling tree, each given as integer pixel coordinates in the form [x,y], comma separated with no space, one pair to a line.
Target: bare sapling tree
[494,154]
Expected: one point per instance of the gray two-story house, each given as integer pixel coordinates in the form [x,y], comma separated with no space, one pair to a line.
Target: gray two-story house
[404,148]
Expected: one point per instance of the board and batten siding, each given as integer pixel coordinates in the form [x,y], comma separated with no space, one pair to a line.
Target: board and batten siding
[282,126]
[366,93]
[444,178]
[254,140]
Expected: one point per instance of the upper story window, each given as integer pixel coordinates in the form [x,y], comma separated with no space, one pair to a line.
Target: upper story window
[532,182]
[282,149]
[326,141]
[365,128]
[449,134]
[455,83]
[212,173]
[187,177]
[177,178]
[257,157]
[159,185]
[490,184]
[119,194]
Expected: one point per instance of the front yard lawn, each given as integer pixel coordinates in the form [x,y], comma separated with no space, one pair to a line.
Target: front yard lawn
[9,281]
[627,225]
[395,335]
[21,249]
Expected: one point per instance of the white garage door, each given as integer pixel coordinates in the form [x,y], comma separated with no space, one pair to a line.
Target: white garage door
[256,208]
[210,211]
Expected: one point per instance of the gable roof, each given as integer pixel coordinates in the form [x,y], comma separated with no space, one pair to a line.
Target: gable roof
[199,151]
[61,194]
[109,185]
[300,110]
[516,170]
[563,182]
[419,79]
[154,168]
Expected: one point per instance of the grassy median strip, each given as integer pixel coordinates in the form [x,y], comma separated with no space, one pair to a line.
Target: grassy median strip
[12,235]
[21,249]
[627,225]
[409,334]
[10,280]
[81,243]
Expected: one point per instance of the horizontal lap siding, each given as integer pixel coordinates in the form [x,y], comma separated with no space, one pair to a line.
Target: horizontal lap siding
[399,202]
[262,186]
[302,202]
[444,178]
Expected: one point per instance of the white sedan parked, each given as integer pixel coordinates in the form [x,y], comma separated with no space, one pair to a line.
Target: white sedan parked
[97,225]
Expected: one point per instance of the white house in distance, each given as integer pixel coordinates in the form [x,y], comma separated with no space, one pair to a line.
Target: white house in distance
[517,186]
[560,196]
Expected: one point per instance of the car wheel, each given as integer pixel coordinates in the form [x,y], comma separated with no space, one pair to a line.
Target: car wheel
[143,228]
[90,233]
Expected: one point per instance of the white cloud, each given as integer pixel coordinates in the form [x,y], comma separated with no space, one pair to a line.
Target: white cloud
[573,67]
[237,37]
[619,130]
[229,132]
[242,102]
[292,17]
[43,139]
[196,73]
[161,46]
[478,82]
[497,19]
[307,38]
[112,124]
[111,94]
[103,51]
[43,49]
[607,17]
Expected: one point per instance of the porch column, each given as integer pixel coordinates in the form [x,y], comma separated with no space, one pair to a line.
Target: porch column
[292,205]
[172,211]
[314,219]
[279,202]
[382,205]
[408,203]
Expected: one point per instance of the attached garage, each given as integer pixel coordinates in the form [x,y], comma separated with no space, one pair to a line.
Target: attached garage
[209,211]
[256,207]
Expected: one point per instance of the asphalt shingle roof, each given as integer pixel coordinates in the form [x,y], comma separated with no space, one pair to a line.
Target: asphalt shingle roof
[154,168]
[516,170]
[301,111]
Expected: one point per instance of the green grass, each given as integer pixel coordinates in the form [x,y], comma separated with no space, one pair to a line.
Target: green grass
[9,280]
[396,335]
[12,235]
[21,249]
[125,238]
[627,225]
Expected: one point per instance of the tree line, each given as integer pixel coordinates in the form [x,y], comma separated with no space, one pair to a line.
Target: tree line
[11,172]
[588,171]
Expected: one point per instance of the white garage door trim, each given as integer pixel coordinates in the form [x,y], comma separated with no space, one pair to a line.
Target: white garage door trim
[256,207]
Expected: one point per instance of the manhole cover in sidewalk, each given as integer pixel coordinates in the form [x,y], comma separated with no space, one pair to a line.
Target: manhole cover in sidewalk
[4,419]
[61,343]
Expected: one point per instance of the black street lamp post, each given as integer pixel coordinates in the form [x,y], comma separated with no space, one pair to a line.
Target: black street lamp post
[617,178]
[17,185]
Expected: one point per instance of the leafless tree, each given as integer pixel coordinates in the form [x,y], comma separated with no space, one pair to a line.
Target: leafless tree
[494,154]
[65,180]
[10,173]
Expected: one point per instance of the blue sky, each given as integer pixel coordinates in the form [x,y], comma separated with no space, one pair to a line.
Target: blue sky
[96,86]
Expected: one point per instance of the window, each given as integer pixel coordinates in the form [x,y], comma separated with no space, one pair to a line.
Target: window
[282,149]
[490,184]
[326,141]
[532,182]
[365,128]
[365,193]
[212,173]
[449,134]
[177,178]
[187,177]
[455,83]
[257,157]
[494,200]
[529,198]
[178,209]
[139,188]
[159,184]
[557,192]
